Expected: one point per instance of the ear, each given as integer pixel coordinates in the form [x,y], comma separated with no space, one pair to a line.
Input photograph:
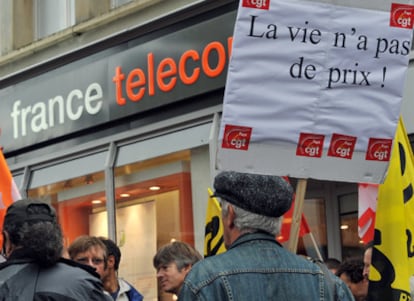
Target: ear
[8,247]
[186,269]
[231,215]
[110,261]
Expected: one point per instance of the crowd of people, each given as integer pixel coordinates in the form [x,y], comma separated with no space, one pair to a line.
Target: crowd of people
[254,267]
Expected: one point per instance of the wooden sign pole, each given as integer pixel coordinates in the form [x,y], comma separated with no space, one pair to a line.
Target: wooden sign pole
[297,215]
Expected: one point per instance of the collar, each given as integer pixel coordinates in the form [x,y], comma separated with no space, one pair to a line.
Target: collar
[259,235]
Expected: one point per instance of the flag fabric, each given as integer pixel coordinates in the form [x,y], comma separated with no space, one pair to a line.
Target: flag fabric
[213,238]
[393,252]
[287,223]
[8,189]
[367,206]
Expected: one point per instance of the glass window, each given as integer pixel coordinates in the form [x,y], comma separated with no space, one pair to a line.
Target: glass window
[348,208]
[116,3]
[75,200]
[52,16]
[314,244]
[312,234]
[154,207]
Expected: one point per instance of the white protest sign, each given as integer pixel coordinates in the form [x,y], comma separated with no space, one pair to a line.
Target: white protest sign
[314,90]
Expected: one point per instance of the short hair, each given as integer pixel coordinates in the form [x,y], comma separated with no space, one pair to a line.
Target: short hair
[332,263]
[179,252]
[83,243]
[112,250]
[353,268]
[41,239]
[248,222]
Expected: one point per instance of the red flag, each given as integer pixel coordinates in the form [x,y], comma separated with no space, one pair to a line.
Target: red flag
[287,223]
[8,189]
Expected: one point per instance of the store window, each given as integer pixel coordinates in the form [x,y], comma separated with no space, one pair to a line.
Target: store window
[153,206]
[74,199]
[314,242]
[352,246]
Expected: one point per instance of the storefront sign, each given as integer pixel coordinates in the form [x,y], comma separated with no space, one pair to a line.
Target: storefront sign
[314,90]
[125,80]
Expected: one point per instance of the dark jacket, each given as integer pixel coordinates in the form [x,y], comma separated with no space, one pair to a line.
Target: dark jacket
[21,279]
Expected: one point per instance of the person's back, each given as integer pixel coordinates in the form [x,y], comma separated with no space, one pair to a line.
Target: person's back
[62,281]
[257,268]
[34,269]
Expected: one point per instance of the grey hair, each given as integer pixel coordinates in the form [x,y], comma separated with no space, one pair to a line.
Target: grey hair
[179,252]
[248,222]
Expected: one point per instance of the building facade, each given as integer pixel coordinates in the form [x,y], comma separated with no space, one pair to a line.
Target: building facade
[107,110]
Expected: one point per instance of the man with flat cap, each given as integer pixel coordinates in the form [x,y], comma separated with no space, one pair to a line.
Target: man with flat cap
[34,269]
[255,266]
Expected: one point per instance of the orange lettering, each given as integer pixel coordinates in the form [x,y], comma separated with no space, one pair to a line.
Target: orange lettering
[150,61]
[221,53]
[131,84]
[117,79]
[167,68]
[189,79]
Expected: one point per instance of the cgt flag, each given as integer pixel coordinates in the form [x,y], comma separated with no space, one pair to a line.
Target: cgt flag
[8,190]
[392,256]
[213,238]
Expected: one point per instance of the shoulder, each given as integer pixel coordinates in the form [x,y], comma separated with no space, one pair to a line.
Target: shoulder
[131,291]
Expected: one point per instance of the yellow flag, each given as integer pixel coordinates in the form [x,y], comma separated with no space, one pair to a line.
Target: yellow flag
[392,257]
[213,238]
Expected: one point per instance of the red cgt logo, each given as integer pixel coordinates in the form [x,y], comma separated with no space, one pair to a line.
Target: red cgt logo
[342,146]
[260,4]
[310,145]
[379,149]
[236,137]
[402,15]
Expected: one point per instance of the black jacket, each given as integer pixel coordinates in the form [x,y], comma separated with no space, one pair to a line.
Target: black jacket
[21,279]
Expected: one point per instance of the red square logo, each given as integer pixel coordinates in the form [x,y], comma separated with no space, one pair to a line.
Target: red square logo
[236,137]
[310,145]
[379,149]
[342,146]
[260,4]
[402,15]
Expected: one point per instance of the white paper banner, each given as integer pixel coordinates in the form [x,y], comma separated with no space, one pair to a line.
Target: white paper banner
[314,90]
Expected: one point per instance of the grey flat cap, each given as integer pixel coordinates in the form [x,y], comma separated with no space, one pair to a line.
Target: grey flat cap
[262,194]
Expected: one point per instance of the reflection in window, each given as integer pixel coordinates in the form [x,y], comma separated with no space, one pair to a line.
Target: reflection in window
[74,200]
[116,3]
[52,16]
[348,208]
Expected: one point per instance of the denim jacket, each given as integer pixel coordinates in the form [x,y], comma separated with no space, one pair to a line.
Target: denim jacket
[257,268]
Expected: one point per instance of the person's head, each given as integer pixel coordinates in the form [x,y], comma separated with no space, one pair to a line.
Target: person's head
[251,203]
[350,272]
[173,262]
[32,226]
[113,257]
[89,250]
[367,258]
[332,264]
